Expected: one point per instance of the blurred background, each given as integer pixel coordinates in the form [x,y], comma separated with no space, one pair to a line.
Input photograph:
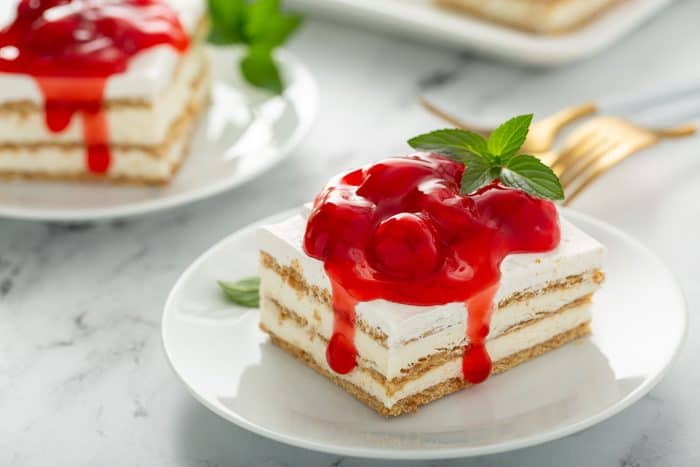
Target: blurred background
[83,380]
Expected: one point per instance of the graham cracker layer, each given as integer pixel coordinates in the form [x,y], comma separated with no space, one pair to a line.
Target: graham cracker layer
[412,403]
[532,24]
[293,277]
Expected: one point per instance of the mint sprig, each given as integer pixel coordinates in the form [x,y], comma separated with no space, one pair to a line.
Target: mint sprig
[245,292]
[497,157]
[259,24]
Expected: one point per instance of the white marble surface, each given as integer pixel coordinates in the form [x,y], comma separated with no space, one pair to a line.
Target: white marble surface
[83,379]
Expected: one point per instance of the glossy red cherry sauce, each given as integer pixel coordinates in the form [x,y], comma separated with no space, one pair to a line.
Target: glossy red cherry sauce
[71,47]
[400,230]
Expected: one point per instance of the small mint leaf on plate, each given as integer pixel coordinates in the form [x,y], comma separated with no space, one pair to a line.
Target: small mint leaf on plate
[529,174]
[259,69]
[245,292]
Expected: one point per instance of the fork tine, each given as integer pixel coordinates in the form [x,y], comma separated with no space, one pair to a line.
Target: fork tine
[570,172]
[599,145]
[580,141]
[597,169]
[572,154]
[605,163]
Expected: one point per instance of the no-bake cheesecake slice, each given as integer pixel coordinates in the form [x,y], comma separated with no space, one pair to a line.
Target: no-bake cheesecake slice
[538,16]
[401,289]
[100,89]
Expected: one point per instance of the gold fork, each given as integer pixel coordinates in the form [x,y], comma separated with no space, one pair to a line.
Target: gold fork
[600,144]
[542,132]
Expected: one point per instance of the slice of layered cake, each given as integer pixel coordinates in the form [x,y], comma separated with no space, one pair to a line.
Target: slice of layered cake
[100,89]
[417,276]
[538,16]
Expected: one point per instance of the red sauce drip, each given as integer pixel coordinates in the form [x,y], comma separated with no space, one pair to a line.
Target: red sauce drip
[400,230]
[71,47]
[476,364]
[341,353]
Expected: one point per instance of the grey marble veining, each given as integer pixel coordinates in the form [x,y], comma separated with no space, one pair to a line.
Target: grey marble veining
[83,379]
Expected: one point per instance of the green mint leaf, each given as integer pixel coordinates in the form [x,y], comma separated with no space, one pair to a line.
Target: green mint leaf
[505,141]
[277,29]
[451,142]
[219,36]
[262,26]
[245,292]
[477,173]
[259,69]
[529,174]
[259,13]
[227,21]
[266,24]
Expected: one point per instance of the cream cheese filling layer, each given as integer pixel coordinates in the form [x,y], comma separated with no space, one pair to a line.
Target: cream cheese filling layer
[303,337]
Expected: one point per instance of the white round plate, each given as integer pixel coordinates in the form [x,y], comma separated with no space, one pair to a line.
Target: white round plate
[244,132]
[228,365]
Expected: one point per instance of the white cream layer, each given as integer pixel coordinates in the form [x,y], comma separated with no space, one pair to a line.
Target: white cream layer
[498,348]
[149,72]
[396,357]
[541,16]
[144,126]
[577,253]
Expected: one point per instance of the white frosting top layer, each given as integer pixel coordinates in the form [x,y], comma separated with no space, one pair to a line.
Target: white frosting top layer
[576,254]
[149,71]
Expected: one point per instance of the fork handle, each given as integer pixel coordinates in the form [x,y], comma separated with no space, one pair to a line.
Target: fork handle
[452,120]
[677,132]
[569,114]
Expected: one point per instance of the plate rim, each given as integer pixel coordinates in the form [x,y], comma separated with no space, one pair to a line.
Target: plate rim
[504,42]
[446,453]
[140,208]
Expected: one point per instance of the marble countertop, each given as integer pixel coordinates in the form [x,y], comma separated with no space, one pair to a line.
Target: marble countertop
[83,378]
